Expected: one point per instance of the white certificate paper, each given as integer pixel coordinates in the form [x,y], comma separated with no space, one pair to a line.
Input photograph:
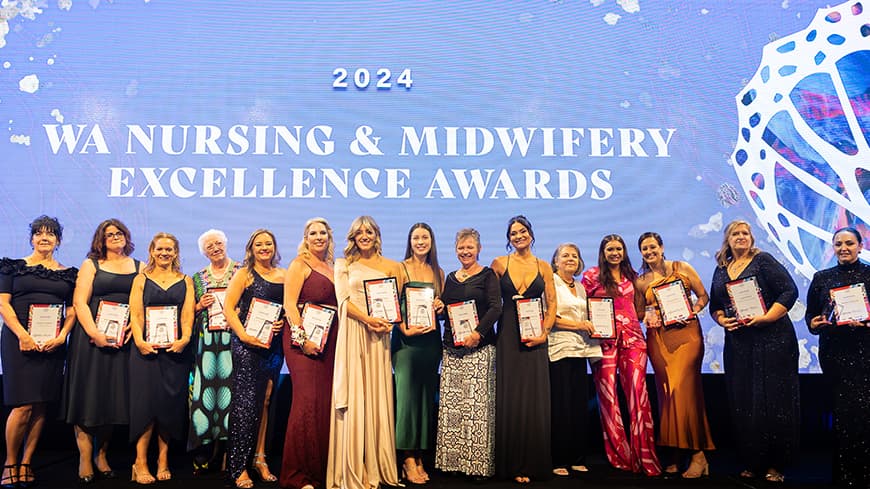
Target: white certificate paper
[850,303]
[216,319]
[261,316]
[382,299]
[112,320]
[419,307]
[530,314]
[463,320]
[43,322]
[316,321]
[161,325]
[673,302]
[602,316]
[745,295]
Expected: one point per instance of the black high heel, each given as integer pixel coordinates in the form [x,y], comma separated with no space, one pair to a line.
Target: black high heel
[28,472]
[11,480]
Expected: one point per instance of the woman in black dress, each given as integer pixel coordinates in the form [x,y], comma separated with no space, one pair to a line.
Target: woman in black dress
[522,431]
[160,363]
[255,364]
[32,369]
[96,387]
[844,352]
[761,355]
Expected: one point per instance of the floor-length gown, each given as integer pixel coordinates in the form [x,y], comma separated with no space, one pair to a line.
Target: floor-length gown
[844,352]
[96,389]
[676,353]
[306,443]
[761,370]
[522,429]
[362,446]
[159,381]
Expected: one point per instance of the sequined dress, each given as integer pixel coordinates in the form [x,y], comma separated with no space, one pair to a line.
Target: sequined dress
[253,368]
[844,352]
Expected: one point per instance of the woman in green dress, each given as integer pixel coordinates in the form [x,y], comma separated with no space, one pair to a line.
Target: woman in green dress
[416,352]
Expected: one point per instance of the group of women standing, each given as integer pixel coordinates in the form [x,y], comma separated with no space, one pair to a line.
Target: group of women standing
[512,404]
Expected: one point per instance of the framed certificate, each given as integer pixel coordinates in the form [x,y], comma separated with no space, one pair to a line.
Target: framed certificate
[603,316]
[43,322]
[382,299]
[746,300]
[419,307]
[674,303]
[216,319]
[262,314]
[161,325]
[530,314]
[463,320]
[111,320]
[316,321]
[652,317]
[850,304]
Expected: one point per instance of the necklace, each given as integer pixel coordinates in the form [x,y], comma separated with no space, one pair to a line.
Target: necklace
[464,273]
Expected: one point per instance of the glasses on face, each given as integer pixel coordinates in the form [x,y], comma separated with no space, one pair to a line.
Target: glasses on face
[118,234]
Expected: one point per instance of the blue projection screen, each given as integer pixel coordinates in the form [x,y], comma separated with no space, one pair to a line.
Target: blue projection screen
[589,117]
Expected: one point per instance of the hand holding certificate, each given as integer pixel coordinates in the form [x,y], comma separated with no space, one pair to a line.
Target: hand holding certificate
[746,300]
[850,304]
[161,325]
[382,299]
[316,322]
[603,316]
[111,320]
[673,303]
[43,322]
[262,315]
[420,308]
[463,320]
[530,315]
[216,319]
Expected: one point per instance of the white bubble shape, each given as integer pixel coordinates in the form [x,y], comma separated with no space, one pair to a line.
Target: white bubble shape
[612,18]
[29,84]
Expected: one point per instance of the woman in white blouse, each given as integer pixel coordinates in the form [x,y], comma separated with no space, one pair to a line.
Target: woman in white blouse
[570,347]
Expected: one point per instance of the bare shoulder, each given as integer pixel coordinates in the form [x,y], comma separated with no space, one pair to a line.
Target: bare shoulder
[498,265]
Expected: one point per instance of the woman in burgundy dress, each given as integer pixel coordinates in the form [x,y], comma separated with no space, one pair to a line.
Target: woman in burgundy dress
[309,279]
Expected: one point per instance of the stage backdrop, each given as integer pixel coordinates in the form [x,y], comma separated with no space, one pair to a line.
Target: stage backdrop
[589,117]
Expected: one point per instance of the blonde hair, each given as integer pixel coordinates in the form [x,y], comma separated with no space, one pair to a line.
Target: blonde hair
[303,250]
[351,252]
[249,250]
[725,255]
[176,262]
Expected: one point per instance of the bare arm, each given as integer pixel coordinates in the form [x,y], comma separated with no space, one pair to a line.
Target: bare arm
[234,293]
[137,315]
[187,315]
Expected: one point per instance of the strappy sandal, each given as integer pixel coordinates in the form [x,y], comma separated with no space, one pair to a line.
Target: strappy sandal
[262,468]
[26,474]
[10,481]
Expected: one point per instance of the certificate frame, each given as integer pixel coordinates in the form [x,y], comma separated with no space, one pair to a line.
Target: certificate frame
[161,326]
[673,302]
[44,322]
[216,319]
[317,320]
[746,299]
[262,314]
[111,320]
[853,304]
[602,314]
[530,316]
[419,307]
[463,320]
[382,298]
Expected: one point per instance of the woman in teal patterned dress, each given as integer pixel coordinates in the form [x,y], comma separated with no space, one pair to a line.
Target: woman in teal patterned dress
[211,378]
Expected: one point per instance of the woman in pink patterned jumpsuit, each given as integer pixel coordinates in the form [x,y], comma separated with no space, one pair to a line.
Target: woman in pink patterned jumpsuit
[625,355]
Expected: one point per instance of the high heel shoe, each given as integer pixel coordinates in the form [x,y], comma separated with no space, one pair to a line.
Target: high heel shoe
[141,478]
[9,481]
[262,468]
[26,474]
[697,470]
[410,475]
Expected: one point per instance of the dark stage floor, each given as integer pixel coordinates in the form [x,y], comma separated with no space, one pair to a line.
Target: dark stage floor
[58,470]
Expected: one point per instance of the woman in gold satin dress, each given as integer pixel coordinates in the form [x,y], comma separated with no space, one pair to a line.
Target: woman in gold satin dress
[676,353]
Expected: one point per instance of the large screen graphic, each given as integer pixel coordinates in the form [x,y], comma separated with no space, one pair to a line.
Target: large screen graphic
[589,117]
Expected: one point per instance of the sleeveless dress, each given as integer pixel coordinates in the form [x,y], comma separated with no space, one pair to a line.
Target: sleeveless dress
[212,376]
[159,382]
[253,368]
[362,444]
[415,363]
[32,377]
[522,427]
[96,390]
[306,444]
[676,354]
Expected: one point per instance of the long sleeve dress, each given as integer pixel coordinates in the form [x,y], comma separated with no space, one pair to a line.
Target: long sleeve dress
[626,356]
[362,444]
[844,352]
[761,370]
